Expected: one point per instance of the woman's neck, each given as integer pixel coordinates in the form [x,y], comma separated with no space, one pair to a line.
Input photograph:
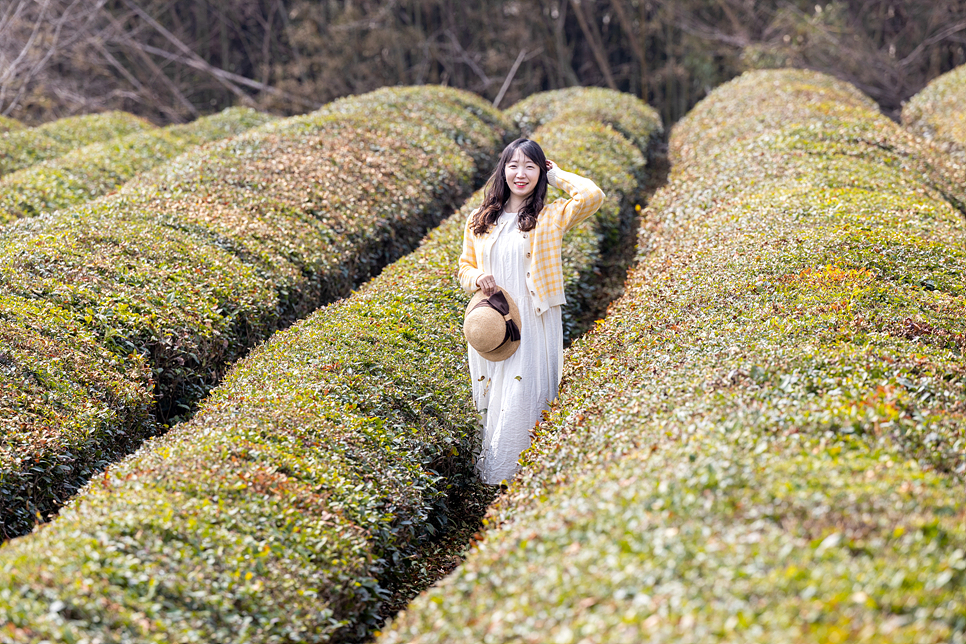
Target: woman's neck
[514,204]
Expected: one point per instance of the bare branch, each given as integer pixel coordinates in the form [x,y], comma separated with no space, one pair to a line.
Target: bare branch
[929,42]
[12,68]
[465,57]
[158,72]
[200,65]
[190,55]
[595,47]
[509,77]
[27,78]
[191,59]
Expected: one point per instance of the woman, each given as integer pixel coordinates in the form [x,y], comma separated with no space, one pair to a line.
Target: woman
[513,241]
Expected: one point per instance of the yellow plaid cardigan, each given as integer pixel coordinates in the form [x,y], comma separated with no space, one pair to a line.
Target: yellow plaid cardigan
[544,268]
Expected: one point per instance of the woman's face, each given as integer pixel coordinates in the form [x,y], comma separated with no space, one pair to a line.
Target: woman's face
[522,174]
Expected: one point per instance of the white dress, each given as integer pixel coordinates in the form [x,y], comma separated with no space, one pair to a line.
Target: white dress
[512,394]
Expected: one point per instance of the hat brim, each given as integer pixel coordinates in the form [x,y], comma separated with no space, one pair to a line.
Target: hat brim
[503,351]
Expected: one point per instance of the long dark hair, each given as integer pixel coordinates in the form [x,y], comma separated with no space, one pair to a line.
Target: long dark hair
[497,192]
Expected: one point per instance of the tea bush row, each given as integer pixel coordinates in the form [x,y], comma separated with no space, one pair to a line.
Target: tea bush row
[327,458]
[936,114]
[96,169]
[464,109]
[185,268]
[20,148]
[623,112]
[764,439]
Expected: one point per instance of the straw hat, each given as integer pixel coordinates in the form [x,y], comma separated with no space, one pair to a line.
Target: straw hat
[492,325]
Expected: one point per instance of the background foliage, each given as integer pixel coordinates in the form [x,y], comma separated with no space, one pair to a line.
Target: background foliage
[170,61]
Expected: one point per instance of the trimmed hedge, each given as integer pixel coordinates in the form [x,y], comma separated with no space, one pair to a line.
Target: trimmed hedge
[283,510]
[94,170]
[936,113]
[764,440]
[57,377]
[623,112]
[7,124]
[25,147]
[463,121]
[184,269]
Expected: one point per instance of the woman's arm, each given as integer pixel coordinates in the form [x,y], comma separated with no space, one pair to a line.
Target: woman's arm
[585,197]
[469,272]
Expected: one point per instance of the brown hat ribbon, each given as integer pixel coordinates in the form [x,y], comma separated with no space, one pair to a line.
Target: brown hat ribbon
[498,302]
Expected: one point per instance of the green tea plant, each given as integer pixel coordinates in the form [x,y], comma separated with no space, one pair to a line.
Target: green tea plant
[187,267]
[936,114]
[623,112]
[468,118]
[764,439]
[327,458]
[20,148]
[96,169]
[7,124]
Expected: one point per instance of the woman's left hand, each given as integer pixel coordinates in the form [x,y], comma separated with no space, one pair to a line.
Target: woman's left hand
[550,165]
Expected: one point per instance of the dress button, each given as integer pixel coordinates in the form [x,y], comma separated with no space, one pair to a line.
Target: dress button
[528,273]
[528,254]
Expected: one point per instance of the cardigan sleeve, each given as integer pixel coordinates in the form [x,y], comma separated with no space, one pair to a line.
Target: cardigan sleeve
[469,272]
[552,177]
[585,199]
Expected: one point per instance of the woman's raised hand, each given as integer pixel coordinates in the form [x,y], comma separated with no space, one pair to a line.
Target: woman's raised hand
[487,284]
[550,165]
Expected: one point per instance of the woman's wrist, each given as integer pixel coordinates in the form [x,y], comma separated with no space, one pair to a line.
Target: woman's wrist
[552,176]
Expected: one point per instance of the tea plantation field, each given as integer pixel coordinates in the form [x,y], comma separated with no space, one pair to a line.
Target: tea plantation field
[119,314]
[235,403]
[765,439]
[21,147]
[286,509]
[96,169]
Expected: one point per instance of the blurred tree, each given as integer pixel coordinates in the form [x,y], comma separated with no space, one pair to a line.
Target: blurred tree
[170,60]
